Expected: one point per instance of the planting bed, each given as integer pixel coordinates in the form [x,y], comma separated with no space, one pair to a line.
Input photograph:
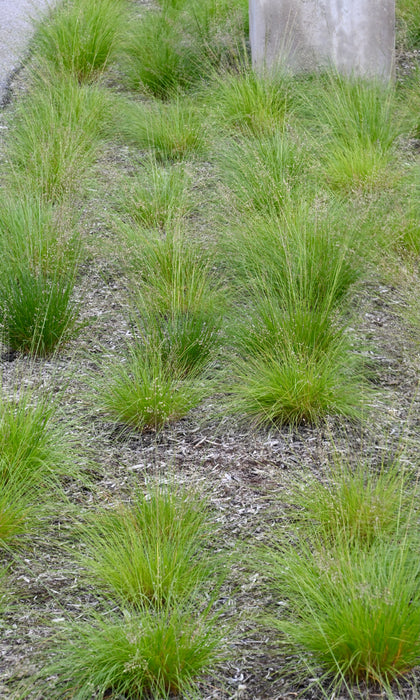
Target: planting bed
[246,451]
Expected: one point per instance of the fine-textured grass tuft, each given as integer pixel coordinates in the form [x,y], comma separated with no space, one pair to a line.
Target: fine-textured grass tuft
[81,37]
[357,168]
[153,550]
[144,392]
[158,197]
[406,215]
[155,61]
[355,611]
[355,124]
[170,52]
[308,261]
[37,233]
[37,312]
[361,503]
[249,103]
[38,267]
[353,110]
[408,17]
[171,271]
[186,341]
[144,655]
[348,577]
[284,387]
[177,306]
[296,363]
[259,174]
[54,138]
[33,454]
[172,131]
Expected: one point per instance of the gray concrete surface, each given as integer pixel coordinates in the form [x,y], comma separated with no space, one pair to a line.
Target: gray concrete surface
[355,36]
[15,32]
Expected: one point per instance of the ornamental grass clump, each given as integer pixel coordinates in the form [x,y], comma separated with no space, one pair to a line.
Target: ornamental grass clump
[153,559]
[171,270]
[34,454]
[362,503]
[295,362]
[81,38]
[347,576]
[37,232]
[408,23]
[158,197]
[259,175]
[144,393]
[178,306]
[173,131]
[139,655]
[306,259]
[406,214]
[169,52]
[152,551]
[351,612]
[54,140]
[38,268]
[357,124]
[248,103]
[37,311]
[284,387]
[158,58]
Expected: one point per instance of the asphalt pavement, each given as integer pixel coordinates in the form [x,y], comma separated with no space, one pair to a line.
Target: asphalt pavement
[15,31]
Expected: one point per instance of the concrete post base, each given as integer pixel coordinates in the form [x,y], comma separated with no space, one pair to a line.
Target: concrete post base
[357,37]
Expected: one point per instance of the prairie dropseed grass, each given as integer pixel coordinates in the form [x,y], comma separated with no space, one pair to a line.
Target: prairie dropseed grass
[144,392]
[37,312]
[153,550]
[248,103]
[177,305]
[171,51]
[38,267]
[81,38]
[259,174]
[33,455]
[408,23]
[361,503]
[148,654]
[356,124]
[37,233]
[358,168]
[55,136]
[172,271]
[304,258]
[348,575]
[354,610]
[355,110]
[171,132]
[158,197]
[158,58]
[295,358]
[286,387]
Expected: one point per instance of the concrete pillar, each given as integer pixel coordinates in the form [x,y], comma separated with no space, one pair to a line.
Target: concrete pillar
[354,36]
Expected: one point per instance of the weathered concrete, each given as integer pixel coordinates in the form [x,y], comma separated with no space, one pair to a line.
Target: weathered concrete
[354,36]
[15,31]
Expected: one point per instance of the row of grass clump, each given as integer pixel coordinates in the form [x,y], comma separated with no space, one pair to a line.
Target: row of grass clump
[303,184]
[158,586]
[292,162]
[154,571]
[347,577]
